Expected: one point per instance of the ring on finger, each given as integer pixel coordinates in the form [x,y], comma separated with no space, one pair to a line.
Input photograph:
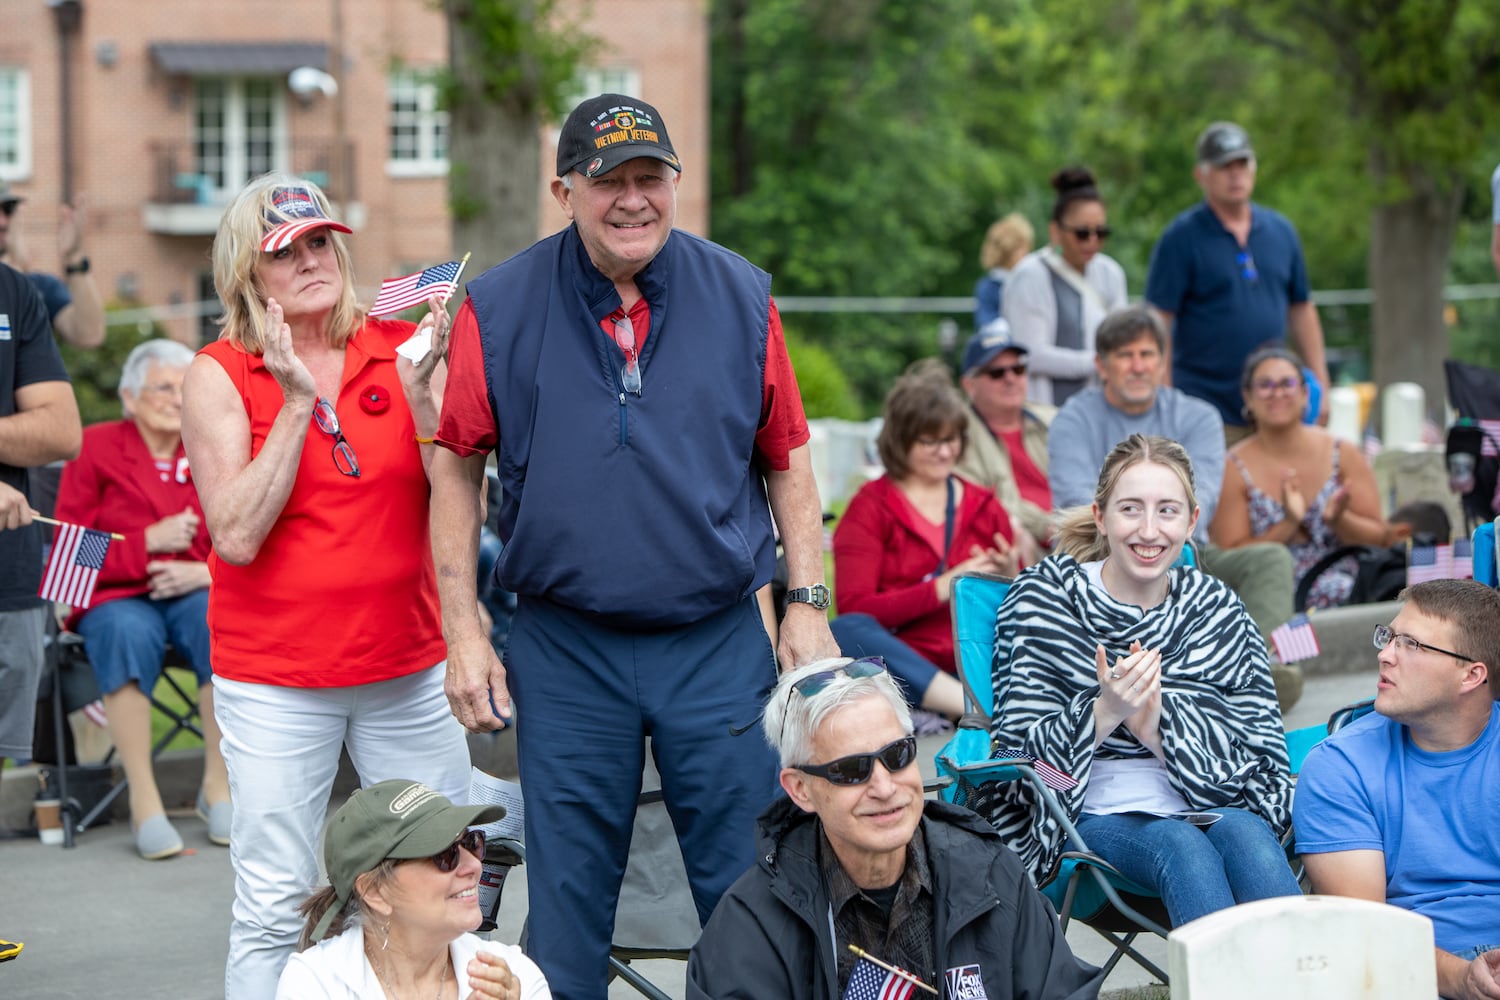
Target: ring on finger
[1114,673]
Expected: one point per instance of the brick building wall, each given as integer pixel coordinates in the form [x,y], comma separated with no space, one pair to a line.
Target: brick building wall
[127,111]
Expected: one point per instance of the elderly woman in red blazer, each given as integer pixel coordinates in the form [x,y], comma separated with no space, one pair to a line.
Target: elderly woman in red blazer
[906,535]
[132,478]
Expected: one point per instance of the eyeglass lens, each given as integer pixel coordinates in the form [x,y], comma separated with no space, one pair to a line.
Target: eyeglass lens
[470,840]
[1000,371]
[1084,232]
[858,768]
[328,422]
[1268,386]
[625,337]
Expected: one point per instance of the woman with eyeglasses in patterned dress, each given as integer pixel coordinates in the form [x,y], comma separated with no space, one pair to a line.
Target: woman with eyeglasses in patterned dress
[1057,296]
[309,440]
[1295,483]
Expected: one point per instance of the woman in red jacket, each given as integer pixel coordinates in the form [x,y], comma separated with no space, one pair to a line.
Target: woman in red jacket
[132,477]
[908,534]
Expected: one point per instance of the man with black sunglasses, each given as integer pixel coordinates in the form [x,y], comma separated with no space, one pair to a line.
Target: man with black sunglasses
[1006,450]
[1398,806]
[1227,277]
[855,855]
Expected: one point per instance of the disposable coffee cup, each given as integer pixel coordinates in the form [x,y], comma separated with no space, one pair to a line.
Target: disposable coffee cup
[49,821]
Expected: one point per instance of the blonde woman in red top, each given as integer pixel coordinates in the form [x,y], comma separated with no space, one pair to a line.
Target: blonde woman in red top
[309,442]
[908,534]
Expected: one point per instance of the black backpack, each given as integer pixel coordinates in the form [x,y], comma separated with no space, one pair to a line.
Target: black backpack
[1380,576]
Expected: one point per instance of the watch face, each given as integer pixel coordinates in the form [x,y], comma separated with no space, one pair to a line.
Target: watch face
[817,595]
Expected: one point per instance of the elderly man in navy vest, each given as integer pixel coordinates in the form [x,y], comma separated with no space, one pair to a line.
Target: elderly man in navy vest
[634,382]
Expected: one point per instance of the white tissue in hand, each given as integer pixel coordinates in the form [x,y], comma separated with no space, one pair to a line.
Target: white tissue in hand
[418,346]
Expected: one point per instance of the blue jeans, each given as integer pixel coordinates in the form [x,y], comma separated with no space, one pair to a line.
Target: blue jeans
[861,635]
[127,638]
[1197,870]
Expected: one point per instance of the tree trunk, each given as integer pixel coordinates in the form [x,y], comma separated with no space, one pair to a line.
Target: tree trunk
[1410,240]
[494,153]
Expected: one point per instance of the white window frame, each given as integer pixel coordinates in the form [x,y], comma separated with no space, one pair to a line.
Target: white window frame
[237,132]
[595,81]
[430,122]
[18,165]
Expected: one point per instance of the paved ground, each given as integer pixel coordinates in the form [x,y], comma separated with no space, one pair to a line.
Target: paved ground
[97,921]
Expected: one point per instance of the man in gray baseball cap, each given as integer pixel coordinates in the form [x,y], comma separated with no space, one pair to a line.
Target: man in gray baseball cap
[1227,277]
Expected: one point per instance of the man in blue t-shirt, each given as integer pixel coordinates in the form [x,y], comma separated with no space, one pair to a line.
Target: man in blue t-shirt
[1227,277]
[1397,807]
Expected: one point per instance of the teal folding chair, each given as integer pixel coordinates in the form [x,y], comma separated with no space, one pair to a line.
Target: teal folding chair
[1086,888]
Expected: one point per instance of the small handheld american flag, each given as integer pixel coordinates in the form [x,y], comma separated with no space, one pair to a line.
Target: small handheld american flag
[1054,779]
[409,290]
[73,568]
[1295,640]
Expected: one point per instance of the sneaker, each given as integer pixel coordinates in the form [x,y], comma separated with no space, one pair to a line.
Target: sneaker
[9,950]
[218,817]
[156,838]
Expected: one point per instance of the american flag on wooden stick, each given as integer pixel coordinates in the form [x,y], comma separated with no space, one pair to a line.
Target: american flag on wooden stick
[410,290]
[1057,780]
[73,568]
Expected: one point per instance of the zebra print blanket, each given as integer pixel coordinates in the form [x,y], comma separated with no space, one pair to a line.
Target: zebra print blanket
[1220,725]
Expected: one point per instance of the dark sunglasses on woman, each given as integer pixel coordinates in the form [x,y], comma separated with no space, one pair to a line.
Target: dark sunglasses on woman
[470,840]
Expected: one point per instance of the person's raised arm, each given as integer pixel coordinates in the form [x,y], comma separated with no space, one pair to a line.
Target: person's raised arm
[80,323]
[44,428]
[475,676]
[793,493]
[242,497]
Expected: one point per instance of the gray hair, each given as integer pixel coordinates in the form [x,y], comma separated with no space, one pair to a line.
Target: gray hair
[167,353]
[792,719]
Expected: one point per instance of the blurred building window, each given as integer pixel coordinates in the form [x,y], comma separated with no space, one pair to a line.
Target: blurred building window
[419,129]
[15,123]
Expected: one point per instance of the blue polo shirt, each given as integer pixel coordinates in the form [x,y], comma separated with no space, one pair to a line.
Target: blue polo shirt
[1228,300]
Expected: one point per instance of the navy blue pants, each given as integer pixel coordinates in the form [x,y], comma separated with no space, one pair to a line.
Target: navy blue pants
[861,635]
[586,697]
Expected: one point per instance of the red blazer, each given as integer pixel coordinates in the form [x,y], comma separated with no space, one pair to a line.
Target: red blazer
[113,485]
[881,561]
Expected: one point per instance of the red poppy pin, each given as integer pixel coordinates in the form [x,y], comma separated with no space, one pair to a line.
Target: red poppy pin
[375,400]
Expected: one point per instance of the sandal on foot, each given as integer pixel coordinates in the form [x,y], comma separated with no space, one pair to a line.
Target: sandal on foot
[156,838]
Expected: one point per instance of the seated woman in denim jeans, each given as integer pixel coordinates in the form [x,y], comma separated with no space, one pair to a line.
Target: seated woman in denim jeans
[132,477]
[1149,684]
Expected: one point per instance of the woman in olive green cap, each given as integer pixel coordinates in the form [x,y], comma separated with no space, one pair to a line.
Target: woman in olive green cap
[395,919]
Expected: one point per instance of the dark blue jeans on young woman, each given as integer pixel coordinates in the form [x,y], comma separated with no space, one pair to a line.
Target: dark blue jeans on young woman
[1197,870]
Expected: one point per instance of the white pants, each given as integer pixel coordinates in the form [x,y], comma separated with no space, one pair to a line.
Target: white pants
[281,745]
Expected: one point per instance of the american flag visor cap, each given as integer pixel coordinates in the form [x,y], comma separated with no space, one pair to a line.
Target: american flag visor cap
[294,210]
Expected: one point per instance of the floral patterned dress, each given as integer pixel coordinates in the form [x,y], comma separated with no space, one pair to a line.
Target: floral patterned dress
[1334,586]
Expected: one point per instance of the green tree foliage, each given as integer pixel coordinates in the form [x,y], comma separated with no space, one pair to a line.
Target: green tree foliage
[863,148]
[96,372]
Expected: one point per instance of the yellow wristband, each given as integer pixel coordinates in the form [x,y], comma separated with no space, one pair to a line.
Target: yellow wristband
[422,440]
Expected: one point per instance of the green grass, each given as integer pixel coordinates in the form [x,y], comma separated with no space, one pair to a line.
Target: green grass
[160,724]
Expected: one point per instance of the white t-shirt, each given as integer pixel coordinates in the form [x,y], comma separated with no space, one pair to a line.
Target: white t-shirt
[337,969]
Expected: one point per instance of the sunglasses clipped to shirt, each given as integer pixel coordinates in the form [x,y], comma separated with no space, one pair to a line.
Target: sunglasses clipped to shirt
[447,859]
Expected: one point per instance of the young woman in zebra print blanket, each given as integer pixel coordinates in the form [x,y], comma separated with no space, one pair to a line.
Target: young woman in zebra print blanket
[1150,686]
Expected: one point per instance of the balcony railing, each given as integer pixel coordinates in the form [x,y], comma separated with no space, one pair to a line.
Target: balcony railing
[179,177]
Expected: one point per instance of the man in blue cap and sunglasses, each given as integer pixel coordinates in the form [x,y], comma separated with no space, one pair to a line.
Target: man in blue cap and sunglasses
[854,855]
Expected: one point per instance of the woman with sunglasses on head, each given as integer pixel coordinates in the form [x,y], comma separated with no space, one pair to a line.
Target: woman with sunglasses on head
[908,534]
[395,919]
[1148,683]
[1057,296]
[309,441]
[1268,494]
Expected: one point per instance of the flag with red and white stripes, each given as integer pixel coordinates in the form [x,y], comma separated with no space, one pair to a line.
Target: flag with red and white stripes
[73,568]
[1295,640]
[401,293]
[1051,777]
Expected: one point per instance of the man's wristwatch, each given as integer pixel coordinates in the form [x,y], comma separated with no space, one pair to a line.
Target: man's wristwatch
[82,267]
[817,595]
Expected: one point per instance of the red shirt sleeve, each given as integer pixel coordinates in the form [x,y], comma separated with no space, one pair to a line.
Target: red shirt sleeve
[467,424]
[783,424]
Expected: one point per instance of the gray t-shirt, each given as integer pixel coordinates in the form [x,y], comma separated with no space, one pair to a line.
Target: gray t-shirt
[1087,427]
